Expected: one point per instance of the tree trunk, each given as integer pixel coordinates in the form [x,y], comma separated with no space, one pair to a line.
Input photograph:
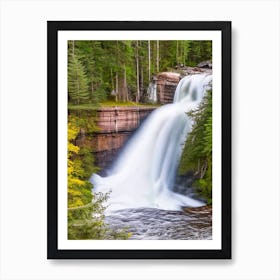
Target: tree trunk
[142,84]
[177,51]
[157,55]
[125,85]
[112,79]
[149,60]
[137,73]
[117,86]
[184,53]
[117,78]
[181,52]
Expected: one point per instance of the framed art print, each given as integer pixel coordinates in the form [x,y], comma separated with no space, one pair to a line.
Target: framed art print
[139,140]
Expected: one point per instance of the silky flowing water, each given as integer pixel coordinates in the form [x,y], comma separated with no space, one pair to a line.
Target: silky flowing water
[158,224]
[141,181]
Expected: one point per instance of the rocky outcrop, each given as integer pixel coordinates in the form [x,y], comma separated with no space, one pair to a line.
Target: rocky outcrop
[167,81]
[195,70]
[166,86]
[205,64]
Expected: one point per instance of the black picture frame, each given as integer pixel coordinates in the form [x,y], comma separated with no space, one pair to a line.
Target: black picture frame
[53,27]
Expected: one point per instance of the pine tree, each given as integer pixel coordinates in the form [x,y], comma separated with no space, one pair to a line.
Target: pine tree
[77,80]
[198,51]
[124,68]
[92,56]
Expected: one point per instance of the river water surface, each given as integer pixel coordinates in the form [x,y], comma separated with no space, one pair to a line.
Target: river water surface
[158,224]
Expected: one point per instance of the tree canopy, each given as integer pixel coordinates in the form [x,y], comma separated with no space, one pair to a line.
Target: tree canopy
[100,70]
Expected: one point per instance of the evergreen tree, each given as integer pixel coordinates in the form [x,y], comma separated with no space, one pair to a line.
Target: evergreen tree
[198,51]
[98,68]
[168,53]
[77,81]
[197,153]
[92,56]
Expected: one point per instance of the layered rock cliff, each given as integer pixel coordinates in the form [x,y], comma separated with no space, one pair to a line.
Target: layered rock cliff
[166,82]
[116,125]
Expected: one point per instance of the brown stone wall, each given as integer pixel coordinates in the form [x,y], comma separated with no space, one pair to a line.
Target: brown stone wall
[120,119]
[116,125]
[107,145]
[166,86]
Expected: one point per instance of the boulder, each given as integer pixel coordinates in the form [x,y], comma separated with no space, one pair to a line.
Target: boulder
[205,64]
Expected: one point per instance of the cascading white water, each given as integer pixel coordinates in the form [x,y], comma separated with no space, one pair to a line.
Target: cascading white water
[144,173]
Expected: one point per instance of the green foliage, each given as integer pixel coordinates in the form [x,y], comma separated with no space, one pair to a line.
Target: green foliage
[197,153]
[198,51]
[98,68]
[87,222]
[78,109]
[81,224]
[85,210]
[77,81]
[79,189]
[84,119]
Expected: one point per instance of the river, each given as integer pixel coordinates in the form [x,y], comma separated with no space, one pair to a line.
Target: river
[157,224]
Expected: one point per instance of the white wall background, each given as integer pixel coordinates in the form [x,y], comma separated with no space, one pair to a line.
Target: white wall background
[255,139]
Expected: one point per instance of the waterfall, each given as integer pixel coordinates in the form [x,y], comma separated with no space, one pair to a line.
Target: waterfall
[152,92]
[144,173]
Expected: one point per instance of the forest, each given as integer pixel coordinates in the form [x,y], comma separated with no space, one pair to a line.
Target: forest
[119,72]
[100,70]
